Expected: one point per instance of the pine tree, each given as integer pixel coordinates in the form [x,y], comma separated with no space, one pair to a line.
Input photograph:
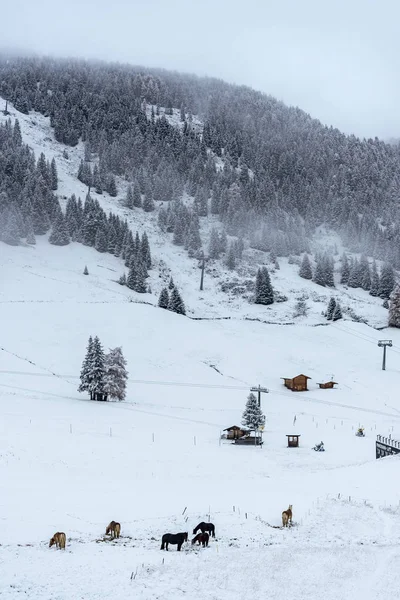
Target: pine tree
[337,313]
[176,303]
[345,270]
[122,279]
[171,284]
[264,291]
[253,417]
[163,301]
[305,269]
[116,375]
[131,279]
[59,235]
[355,279]
[148,202]
[331,309]
[137,198]
[54,176]
[394,307]
[129,197]
[387,281]
[85,271]
[214,245]
[374,290]
[320,274]
[112,186]
[86,370]
[100,243]
[145,251]
[97,372]
[230,257]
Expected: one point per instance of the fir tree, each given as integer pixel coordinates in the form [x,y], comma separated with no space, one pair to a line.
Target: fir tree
[145,251]
[54,176]
[253,418]
[137,198]
[171,284]
[337,313]
[129,197]
[122,279]
[85,271]
[264,292]
[305,269]
[214,245]
[345,270]
[176,303]
[230,257]
[320,274]
[148,202]
[374,289]
[394,307]
[116,375]
[86,370]
[112,186]
[331,309]
[100,243]
[163,301]
[387,281]
[59,235]
[97,372]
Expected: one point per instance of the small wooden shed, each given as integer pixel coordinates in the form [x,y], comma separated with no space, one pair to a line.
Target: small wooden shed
[296,384]
[292,441]
[328,385]
[235,432]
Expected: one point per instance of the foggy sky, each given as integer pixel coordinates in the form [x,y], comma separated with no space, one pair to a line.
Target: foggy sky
[337,60]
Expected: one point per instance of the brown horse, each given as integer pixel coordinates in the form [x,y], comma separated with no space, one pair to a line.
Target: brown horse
[59,540]
[287,516]
[113,528]
[202,538]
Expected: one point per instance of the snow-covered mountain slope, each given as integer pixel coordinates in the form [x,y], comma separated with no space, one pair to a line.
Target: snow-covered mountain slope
[226,293]
[156,462]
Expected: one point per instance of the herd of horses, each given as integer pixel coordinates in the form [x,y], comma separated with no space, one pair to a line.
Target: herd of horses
[175,539]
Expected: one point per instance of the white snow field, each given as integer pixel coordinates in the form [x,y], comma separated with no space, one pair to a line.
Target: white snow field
[156,462]
[68,464]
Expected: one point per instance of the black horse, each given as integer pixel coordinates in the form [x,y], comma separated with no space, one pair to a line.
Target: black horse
[205,527]
[202,538]
[173,538]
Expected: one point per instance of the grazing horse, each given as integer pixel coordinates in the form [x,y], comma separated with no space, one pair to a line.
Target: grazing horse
[202,538]
[113,528]
[287,516]
[205,527]
[58,539]
[173,538]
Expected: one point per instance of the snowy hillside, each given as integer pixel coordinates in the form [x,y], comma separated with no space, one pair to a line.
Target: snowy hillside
[226,293]
[156,462]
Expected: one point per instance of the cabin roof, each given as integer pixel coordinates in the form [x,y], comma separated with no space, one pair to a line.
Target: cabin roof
[295,377]
[235,428]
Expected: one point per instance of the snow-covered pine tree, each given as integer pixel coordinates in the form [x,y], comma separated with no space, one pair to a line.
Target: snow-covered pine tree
[345,270]
[116,375]
[97,372]
[86,370]
[319,274]
[355,279]
[387,281]
[129,197]
[337,313]
[253,418]
[59,235]
[101,243]
[374,290]
[331,308]
[163,301]
[329,266]
[214,244]
[85,270]
[305,269]
[145,250]
[148,202]
[230,257]
[264,292]
[171,284]
[122,279]
[176,303]
[54,176]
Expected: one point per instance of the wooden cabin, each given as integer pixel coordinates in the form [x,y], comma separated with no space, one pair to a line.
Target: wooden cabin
[328,385]
[235,432]
[292,441]
[297,384]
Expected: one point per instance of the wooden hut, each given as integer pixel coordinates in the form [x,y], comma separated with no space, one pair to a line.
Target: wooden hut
[297,384]
[328,385]
[292,441]
[235,432]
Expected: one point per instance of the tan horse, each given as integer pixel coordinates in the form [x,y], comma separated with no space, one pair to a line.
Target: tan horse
[287,516]
[113,528]
[59,540]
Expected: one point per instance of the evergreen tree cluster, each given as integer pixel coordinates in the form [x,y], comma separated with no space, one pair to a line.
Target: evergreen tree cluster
[280,174]
[357,273]
[184,223]
[334,310]
[170,299]
[103,376]
[98,178]
[91,226]
[28,206]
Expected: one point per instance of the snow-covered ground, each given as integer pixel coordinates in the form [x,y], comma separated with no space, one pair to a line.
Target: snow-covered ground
[156,462]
